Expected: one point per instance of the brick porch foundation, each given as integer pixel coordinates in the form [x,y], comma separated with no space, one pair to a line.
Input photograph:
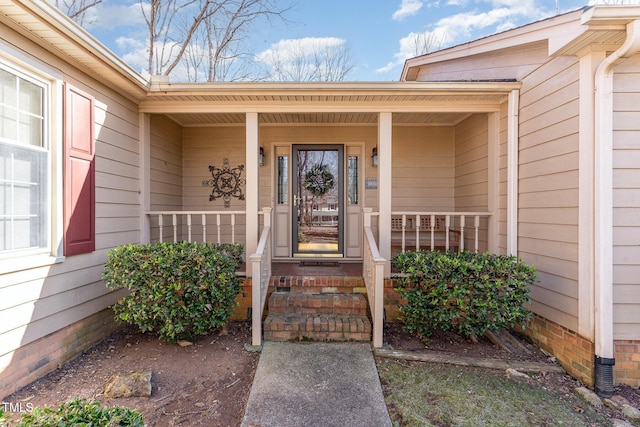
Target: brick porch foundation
[46,354]
[576,354]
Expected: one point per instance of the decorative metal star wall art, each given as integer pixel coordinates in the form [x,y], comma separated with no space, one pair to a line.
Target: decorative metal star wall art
[226,182]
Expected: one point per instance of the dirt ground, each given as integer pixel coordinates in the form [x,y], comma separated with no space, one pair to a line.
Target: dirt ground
[208,383]
[205,384]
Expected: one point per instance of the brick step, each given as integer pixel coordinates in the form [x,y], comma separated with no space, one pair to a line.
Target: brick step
[317,284]
[317,327]
[327,303]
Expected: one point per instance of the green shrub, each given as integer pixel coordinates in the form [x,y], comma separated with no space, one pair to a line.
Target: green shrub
[82,412]
[177,290]
[468,293]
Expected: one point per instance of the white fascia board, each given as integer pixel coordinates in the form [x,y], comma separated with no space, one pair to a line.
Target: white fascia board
[614,16]
[331,88]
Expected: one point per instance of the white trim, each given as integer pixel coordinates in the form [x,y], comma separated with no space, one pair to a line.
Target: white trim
[253,182]
[385,185]
[350,89]
[301,106]
[512,172]
[26,68]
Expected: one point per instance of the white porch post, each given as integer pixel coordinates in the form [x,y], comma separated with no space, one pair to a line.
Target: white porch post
[251,193]
[493,180]
[385,130]
[512,172]
[144,123]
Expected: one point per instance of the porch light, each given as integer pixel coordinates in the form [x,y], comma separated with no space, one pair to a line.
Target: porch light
[374,156]
[261,157]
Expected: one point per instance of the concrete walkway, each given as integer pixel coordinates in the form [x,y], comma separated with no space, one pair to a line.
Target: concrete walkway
[316,384]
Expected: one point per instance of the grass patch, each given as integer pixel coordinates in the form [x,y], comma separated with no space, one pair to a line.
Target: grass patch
[424,394]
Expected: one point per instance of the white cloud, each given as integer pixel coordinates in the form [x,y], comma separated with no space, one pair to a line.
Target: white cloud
[112,16]
[306,59]
[457,2]
[137,57]
[137,52]
[407,8]
[289,49]
[435,40]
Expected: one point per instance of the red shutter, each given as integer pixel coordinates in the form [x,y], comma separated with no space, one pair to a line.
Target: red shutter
[79,173]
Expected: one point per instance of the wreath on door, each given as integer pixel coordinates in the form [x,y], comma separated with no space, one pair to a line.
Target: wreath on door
[319,179]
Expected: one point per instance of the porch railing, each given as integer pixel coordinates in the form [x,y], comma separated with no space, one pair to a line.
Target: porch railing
[428,230]
[260,276]
[373,273]
[178,220]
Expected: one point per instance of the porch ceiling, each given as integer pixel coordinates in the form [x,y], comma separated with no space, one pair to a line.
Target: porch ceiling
[208,119]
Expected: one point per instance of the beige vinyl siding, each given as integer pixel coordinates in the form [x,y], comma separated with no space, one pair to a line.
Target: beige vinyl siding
[471,174]
[511,63]
[35,302]
[166,164]
[165,173]
[204,147]
[548,187]
[626,200]
[423,168]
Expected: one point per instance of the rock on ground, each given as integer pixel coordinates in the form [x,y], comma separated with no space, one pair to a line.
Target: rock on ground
[136,384]
[589,396]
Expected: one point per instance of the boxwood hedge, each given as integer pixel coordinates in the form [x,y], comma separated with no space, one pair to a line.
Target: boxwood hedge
[466,292]
[177,290]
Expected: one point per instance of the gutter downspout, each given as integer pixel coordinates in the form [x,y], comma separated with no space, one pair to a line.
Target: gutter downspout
[604,352]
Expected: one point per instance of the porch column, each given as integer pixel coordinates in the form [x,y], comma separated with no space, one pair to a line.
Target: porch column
[385,131]
[512,172]
[251,193]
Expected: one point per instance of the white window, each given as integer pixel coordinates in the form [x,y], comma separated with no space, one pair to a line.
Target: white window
[24,164]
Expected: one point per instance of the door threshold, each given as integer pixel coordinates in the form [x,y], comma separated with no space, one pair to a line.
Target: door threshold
[319,263]
[317,256]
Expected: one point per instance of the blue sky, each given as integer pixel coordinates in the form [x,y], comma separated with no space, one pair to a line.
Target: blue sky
[374,31]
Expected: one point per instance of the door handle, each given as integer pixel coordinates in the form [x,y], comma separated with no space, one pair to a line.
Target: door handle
[295,200]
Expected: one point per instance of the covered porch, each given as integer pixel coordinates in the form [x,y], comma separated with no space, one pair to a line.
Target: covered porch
[417,165]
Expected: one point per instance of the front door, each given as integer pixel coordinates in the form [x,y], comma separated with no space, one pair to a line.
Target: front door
[317,216]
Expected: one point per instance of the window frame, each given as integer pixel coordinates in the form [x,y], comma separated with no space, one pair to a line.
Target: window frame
[50,252]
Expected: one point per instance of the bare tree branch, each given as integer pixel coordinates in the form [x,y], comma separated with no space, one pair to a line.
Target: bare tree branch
[304,62]
[203,36]
[424,43]
[76,9]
